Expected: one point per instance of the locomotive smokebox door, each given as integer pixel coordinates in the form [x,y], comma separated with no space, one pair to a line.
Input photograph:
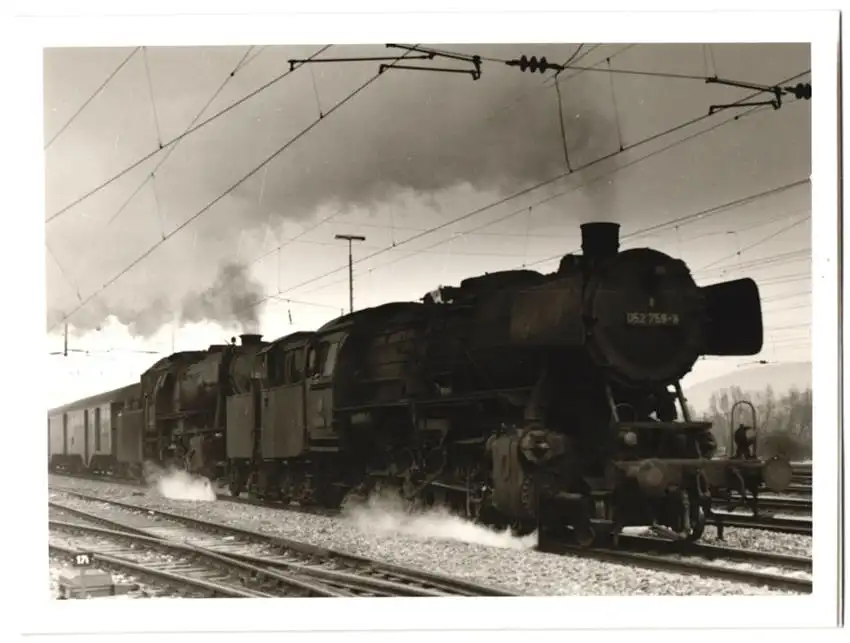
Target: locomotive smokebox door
[734,325]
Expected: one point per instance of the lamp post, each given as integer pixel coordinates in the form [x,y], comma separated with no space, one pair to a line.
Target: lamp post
[350,238]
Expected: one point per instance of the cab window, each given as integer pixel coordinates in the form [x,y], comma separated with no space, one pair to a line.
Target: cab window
[322,359]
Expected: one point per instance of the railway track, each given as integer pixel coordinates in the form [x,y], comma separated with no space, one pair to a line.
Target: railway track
[771,503]
[644,552]
[765,522]
[717,552]
[681,558]
[266,561]
[183,569]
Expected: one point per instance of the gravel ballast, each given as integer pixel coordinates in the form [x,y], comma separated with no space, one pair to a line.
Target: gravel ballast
[773,542]
[448,546]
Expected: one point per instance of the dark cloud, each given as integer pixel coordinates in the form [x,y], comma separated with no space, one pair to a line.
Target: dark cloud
[423,134]
[232,300]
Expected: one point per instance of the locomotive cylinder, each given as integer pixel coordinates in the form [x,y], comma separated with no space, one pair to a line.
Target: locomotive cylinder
[600,240]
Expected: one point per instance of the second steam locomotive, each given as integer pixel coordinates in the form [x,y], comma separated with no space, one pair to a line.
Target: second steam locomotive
[536,401]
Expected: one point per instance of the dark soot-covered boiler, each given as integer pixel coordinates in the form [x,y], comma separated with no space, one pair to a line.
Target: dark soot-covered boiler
[638,312]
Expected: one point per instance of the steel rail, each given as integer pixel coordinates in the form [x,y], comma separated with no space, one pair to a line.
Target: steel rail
[668,563]
[393,578]
[245,571]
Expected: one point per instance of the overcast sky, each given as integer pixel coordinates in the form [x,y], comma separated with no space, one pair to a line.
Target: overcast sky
[411,151]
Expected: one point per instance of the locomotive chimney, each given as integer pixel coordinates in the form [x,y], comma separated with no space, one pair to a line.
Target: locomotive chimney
[250,339]
[600,239]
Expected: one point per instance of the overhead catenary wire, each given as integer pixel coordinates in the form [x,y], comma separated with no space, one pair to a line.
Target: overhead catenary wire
[180,137]
[784,257]
[692,238]
[64,272]
[791,295]
[609,70]
[94,95]
[779,232]
[555,79]
[549,181]
[152,96]
[682,220]
[172,148]
[573,67]
[703,213]
[343,101]
[653,137]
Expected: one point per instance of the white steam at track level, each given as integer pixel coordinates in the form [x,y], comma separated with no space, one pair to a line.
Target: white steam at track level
[385,515]
[178,485]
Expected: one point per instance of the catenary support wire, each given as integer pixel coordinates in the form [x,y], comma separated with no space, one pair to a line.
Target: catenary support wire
[175,140]
[244,178]
[94,95]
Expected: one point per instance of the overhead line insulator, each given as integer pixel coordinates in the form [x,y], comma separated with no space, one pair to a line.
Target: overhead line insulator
[534,64]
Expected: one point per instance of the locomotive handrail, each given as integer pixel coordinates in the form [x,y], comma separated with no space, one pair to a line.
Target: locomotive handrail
[732,425]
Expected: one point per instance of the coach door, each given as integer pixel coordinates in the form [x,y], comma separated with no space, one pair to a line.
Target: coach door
[321,361]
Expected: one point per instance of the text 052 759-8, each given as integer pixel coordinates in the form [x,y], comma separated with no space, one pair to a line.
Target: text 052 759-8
[652,319]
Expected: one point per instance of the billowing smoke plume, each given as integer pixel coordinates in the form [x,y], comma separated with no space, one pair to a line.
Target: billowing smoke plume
[432,144]
[233,300]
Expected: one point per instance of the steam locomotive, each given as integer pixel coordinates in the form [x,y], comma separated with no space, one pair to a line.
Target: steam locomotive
[538,401]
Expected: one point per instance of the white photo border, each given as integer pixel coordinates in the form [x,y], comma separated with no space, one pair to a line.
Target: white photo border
[23,276]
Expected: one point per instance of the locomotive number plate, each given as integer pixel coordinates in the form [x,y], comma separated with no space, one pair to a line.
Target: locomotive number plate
[652,319]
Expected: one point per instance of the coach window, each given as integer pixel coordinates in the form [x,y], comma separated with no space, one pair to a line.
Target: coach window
[97,429]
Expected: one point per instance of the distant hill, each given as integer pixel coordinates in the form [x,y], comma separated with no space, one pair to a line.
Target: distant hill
[782,377]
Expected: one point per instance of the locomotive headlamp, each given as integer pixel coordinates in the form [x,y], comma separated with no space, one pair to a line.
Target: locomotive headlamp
[776,474]
[630,438]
